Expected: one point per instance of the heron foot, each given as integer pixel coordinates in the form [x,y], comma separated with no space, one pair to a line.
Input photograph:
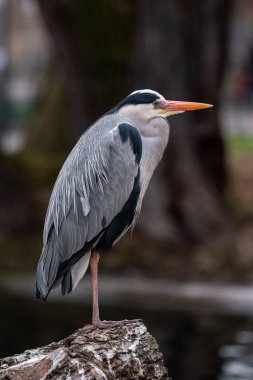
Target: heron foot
[110,324]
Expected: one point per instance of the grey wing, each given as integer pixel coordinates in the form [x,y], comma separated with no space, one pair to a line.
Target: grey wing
[92,189]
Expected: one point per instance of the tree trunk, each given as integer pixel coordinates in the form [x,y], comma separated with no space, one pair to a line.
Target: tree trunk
[90,42]
[176,47]
[127,352]
[180,51]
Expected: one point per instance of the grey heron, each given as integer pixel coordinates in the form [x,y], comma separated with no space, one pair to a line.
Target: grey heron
[98,194]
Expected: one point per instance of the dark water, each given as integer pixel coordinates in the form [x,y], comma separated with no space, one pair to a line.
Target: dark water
[238,357]
[195,347]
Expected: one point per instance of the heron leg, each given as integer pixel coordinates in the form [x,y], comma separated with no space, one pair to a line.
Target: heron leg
[94,260]
[96,322]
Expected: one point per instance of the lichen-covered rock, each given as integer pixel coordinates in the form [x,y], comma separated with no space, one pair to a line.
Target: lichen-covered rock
[127,352]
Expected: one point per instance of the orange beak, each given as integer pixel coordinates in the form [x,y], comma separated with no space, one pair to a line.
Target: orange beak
[176,106]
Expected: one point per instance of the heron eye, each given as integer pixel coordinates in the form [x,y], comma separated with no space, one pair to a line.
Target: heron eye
[155,103]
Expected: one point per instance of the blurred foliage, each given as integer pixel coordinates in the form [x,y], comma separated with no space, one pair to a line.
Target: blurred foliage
[49,131]
[36,168]
[19,254]
[239,143]
[100,52]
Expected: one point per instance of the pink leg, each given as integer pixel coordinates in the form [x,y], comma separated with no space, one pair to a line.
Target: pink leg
[94,278]
[96,322]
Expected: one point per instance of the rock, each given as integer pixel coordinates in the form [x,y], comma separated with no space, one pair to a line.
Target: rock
[127,352]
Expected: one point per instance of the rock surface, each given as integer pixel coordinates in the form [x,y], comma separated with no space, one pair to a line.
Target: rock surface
[126,352]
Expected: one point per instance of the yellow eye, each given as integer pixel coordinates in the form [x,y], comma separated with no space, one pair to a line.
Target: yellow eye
[155,103]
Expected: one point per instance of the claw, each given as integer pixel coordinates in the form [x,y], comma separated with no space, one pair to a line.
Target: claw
[110,324]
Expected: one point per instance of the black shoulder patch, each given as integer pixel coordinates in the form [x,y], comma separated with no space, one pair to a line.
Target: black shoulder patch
[128,132]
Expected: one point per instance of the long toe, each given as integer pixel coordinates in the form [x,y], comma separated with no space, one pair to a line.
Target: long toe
[110,324]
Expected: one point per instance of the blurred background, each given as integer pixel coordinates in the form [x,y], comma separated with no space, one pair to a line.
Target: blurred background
[187,270]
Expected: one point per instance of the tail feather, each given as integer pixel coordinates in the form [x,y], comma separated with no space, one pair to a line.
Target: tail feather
[79,269]
[46,273]
[51,272]
[66,284]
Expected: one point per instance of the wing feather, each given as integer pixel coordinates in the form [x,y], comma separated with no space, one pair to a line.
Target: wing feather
[93,186]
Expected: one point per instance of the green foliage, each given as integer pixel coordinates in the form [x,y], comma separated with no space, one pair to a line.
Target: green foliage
[49,130]
[20,253]
[239,143]
[36,169]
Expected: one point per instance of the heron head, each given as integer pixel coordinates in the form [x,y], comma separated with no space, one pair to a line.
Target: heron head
[147,104]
